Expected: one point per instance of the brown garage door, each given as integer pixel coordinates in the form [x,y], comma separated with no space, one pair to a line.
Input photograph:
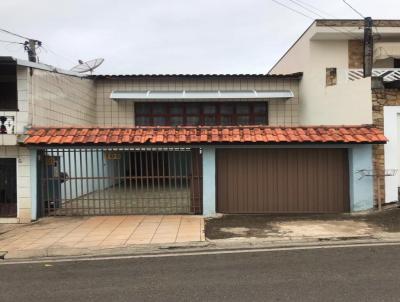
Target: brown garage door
[282,181]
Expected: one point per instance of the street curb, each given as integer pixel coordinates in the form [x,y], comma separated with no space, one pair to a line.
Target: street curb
[107,251]
[192,247]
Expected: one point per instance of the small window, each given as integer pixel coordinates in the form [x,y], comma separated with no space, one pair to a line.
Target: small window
[331,76]
[227,108]
[242,109]
[141,108]
[176,109]
[192,108]
[209,109]
[8,87]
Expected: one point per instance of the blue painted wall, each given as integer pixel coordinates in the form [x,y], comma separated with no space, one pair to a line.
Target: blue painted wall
[361,188]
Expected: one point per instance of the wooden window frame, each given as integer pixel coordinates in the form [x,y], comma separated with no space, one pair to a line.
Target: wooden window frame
[218,115]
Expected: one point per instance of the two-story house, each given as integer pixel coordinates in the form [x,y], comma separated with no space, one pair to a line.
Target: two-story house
[195,144]
[331,55]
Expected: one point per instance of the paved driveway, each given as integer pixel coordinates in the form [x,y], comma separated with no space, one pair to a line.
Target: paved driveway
[102,232]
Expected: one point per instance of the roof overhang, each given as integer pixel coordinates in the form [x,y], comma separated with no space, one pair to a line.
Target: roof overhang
[184,135]
[188,95]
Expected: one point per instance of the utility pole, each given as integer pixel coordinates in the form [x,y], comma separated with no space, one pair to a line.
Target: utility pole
[30,47]
[368,47]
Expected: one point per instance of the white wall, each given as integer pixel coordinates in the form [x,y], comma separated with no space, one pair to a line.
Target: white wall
[392,151]
[348,102]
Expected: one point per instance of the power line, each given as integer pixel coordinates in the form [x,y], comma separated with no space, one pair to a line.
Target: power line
[317,9]
[306,8]
[357,12]
[293,10]
[14,34]
[346,32]
[11,42]
[47,49]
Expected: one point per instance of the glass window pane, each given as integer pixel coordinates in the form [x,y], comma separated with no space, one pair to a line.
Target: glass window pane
[242,108]
[176,109]
[192,108]
[176,120]
[141,108]
[243,120]
[226,120]
[209,109]
[159,109]
[192,120]
[159,121]
[260,107]
[226,108]
[260,120]
[210,120]
[142,121]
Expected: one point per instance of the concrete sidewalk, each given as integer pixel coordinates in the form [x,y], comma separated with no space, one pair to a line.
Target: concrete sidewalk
[318,227]
[90,235]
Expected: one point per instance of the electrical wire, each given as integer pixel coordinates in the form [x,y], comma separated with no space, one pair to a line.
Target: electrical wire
[47,49]
[317,9]
[346,32]
[11,42]
[306,8]
[14,34]
[356,11]
[293,10]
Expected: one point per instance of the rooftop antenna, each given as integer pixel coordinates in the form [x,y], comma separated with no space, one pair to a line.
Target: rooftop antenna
[87,66]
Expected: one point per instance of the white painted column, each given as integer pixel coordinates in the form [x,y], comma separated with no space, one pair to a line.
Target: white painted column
[33,155]
[361,189]
[209,181]
[390,115]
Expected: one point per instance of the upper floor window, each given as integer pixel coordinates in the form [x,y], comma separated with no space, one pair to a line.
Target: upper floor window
[8,87]
[201,114]
[331,76]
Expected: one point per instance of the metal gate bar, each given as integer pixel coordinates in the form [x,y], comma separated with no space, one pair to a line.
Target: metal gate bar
[113,181]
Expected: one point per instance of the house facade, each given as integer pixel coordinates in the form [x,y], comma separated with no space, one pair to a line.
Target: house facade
[168,144]
[331,55]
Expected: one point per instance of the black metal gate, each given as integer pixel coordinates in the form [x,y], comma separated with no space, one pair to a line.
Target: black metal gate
[118,181]
[8,187]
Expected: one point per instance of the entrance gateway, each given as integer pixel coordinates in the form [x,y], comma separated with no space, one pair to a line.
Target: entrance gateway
[119,181]
[8,187]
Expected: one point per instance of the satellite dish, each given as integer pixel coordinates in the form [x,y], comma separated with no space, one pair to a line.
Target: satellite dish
[87,66]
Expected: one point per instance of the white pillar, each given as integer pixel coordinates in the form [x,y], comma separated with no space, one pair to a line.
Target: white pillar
[209,192]
[33,162]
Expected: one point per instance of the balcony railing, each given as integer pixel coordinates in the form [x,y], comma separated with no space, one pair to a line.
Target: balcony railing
[388,74]
[7,124]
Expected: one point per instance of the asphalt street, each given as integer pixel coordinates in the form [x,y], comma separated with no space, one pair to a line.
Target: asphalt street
[336,274]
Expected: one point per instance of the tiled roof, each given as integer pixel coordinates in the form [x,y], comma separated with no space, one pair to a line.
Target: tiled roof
[204,135]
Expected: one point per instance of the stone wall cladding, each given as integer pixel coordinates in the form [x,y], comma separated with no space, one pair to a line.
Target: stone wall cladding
[381,98]
[356,54]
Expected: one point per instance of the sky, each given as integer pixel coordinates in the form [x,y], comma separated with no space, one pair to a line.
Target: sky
[169,36]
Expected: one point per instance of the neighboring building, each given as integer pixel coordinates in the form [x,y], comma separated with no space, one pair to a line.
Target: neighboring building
[151,144]
[330,55]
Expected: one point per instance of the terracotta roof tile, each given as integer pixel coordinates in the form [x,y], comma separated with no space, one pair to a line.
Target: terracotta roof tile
[204,134]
